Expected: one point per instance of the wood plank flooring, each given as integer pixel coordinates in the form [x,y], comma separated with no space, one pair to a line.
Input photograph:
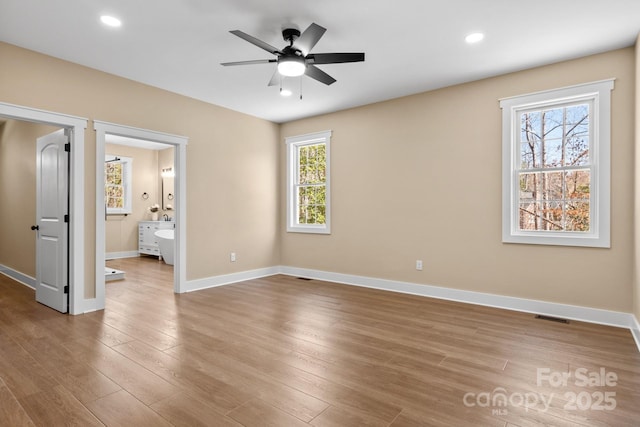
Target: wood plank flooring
[282,352]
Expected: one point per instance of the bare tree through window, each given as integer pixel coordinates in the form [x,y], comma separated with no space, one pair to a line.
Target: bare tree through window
[555,174]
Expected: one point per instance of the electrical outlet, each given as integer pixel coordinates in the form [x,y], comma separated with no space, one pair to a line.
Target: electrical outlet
[419,264]
[232,257]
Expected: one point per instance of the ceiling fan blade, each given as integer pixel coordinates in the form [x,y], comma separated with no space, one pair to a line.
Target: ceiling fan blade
[275,79]
[255,41]
[256,61]
[335,58]
[316,73]
[309,38]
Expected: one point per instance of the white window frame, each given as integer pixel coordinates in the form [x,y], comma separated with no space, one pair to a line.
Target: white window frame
[127,165]
[293,143]
[598,94]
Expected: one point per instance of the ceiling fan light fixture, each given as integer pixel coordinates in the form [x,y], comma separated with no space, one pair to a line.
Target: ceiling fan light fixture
[291,66]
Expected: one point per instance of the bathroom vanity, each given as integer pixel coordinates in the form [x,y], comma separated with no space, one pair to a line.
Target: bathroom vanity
[147,241]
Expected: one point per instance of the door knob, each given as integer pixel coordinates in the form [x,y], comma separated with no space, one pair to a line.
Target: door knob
[35,227]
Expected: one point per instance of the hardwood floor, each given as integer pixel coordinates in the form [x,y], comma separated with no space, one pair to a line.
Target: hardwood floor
[281,351]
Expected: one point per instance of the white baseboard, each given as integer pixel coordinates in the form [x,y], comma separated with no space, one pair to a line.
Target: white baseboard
[18,277]
[585,314]
[119,255]
[565,311]
[88,305]
[227,279]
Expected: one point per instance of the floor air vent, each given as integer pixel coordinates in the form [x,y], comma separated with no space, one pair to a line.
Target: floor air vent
[551,318]
[304,278]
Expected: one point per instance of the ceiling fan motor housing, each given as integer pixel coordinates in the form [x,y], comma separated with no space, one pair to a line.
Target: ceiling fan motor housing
[290,35]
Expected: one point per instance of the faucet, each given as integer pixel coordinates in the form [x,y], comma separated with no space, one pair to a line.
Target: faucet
[166,217]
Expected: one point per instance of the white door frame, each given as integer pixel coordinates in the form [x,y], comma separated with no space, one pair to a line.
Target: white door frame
[180,145]
[77,125]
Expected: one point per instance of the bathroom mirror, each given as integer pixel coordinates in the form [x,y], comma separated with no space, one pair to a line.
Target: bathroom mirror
[168,194]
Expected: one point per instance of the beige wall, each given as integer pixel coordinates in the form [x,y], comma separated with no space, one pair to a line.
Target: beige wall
[636,253]
[231,179]
[121,232]
[18,194]
[420,178]
[412,178]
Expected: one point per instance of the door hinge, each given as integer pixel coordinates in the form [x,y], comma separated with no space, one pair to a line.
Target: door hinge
[67,147]
[66,289]
[66,218]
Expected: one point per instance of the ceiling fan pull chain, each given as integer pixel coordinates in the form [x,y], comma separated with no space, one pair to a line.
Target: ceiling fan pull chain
[300,88]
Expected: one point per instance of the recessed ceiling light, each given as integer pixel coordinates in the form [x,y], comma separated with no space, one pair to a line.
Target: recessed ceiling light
[474,38]
[111,21]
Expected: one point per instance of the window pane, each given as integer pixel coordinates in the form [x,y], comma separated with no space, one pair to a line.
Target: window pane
[578,185]
[552,121]
[527,217]
[321,218]
[555,137]
[312,204]
[552,185]
[577,216]
[312,166]
[556,131]
[541,186]
[554,201]
[577,135]
[552,153]
[528,186]
[302,173]
[303,196]
[546,215]
[577,151]
[552,215]
[577,114]
[302,214]
[530,139]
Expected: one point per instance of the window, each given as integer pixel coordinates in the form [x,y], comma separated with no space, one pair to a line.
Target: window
[117,184]
[556,166]
[308,189]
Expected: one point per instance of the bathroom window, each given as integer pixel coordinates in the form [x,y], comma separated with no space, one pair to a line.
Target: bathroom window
[308,189]
[117,186]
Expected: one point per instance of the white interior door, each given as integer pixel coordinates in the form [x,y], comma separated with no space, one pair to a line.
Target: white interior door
[51,229]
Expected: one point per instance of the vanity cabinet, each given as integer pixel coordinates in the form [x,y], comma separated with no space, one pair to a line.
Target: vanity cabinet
[147,240]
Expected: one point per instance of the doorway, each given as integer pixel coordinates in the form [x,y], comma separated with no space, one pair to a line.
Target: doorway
[74,266]
[136,173]
[104,131]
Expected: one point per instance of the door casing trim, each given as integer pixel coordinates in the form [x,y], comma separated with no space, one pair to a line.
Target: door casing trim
[77,126]
[180,161]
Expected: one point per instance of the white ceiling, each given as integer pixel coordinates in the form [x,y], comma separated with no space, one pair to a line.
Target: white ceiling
[411,46]
[137,143]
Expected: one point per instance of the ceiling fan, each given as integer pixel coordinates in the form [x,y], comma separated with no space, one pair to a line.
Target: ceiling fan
[295,59]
